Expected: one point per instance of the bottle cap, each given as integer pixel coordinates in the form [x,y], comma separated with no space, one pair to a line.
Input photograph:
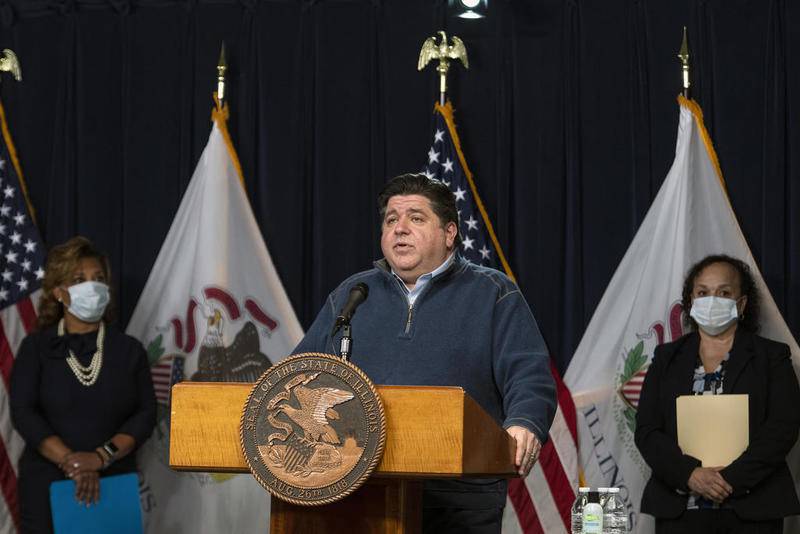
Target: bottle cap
[602,490]
[613,490]
[583,489]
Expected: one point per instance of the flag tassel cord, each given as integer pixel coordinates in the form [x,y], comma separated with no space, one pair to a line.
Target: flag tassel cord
[12,152]
[220,115]
[447,112]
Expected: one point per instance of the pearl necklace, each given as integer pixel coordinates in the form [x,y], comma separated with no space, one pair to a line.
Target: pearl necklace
[87,376]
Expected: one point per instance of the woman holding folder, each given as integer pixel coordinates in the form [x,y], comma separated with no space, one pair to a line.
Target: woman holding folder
[81,393]
[723,355]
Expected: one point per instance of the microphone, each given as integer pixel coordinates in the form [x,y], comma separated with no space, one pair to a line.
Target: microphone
[358,294]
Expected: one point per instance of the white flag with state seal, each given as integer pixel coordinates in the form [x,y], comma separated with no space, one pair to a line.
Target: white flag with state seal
[690,218]
[213,309]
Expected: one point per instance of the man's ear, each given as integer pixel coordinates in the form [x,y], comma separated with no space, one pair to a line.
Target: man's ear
[450,230]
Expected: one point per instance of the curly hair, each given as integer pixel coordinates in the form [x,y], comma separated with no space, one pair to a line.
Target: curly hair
[62,260]
[747,284]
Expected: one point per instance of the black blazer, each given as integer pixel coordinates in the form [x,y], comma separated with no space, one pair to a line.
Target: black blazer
[762,484]
[46,398]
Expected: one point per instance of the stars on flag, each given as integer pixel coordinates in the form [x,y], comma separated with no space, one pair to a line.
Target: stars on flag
[21,252]
[444,165]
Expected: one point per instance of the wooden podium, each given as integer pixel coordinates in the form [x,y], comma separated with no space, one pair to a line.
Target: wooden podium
[431,432]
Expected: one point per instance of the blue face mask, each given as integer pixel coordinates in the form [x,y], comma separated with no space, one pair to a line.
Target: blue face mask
[714,315]
[88,301]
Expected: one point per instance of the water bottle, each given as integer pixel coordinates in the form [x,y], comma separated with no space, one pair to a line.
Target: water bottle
[592,514]
[603,496]
[615,518]
[577,510]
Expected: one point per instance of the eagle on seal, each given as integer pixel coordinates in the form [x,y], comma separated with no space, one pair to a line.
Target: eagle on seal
[316,406]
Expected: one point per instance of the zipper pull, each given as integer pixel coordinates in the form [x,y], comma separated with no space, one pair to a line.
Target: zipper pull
[410,314]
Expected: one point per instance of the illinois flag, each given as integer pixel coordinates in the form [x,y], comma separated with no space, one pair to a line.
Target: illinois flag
[213,309]
[690,218]
[541,502]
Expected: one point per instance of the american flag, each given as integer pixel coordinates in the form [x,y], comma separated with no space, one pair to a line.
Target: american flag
[542,501]
[22,258]
[445,163]
[168,370]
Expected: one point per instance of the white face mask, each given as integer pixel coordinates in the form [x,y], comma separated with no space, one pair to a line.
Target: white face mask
[714,315]
[88,301]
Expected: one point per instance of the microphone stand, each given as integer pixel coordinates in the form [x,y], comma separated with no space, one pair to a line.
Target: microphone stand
[346,343]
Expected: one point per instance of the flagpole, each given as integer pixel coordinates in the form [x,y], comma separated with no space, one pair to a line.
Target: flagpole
[10,63]
[683,55]
[220,113]
[222,66]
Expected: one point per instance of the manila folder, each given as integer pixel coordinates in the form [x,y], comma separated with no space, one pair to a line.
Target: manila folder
[713,428]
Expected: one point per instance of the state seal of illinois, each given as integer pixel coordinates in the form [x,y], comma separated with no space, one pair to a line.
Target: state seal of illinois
[313,429]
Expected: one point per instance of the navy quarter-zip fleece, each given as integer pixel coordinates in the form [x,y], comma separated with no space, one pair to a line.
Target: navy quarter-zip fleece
[470,327]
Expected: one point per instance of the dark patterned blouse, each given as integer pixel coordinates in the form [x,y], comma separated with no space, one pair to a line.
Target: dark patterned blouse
[704,383]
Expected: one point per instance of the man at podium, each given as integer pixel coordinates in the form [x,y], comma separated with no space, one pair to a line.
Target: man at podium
[433,318]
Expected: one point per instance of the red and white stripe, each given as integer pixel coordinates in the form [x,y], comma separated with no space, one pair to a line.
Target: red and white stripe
[633,388]
[16,322]
[541,502]
[162,376]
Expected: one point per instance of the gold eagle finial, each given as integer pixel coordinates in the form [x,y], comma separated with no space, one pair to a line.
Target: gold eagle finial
[444,53]
[10,63]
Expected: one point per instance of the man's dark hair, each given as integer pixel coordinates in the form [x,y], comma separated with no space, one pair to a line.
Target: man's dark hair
[751,316]
[441,198]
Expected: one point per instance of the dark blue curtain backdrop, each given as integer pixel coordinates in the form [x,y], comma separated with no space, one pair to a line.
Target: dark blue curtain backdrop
[567,116]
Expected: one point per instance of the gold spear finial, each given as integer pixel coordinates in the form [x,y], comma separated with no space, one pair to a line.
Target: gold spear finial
[444,53]
[10,63]
[683,55]
[222,66]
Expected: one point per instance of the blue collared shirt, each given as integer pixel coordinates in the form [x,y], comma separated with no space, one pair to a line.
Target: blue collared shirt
[422,281]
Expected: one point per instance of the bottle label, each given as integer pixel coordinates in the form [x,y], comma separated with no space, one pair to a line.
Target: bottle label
[592,523]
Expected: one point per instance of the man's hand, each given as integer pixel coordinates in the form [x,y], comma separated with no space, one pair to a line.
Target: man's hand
[708,483]
[528,448]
